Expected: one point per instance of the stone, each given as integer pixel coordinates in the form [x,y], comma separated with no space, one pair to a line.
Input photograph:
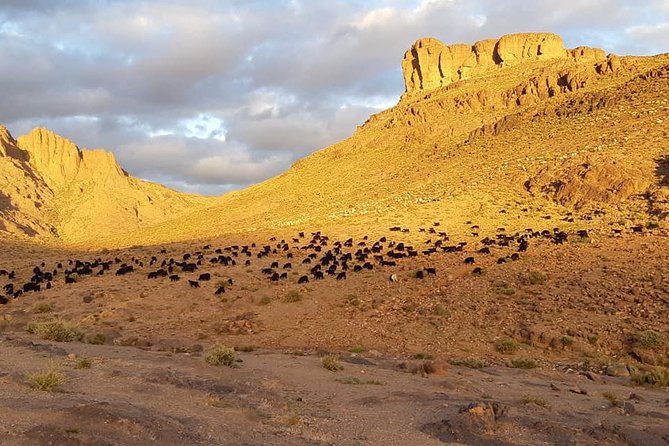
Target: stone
[579,391]
[477,417]
[430,64]
[617,370]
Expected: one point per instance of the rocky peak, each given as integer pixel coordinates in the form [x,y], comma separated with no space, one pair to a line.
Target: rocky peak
[60,162]
[6,140]
[431,64]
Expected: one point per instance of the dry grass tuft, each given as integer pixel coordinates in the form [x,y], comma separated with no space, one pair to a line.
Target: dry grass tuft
[47,381]
[331,363]
[55,331]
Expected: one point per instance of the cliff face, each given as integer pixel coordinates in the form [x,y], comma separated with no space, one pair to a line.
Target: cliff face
[51,189]
[431,64]
[60,162]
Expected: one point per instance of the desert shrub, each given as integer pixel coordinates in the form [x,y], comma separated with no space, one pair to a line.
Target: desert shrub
[359,381]
[506,346]
[536,278]
[654,377]
[265,300]
[293,296]
[535,400]
[523,363]
[356,349]
[48,380]
[471,363]
[352,300]
[331,363]
[285,420]
[43,307]
[96,339]
[83,363]
[423,355]
[649,339]
[74,276]
[55,331]
[567,341]
[425,367]
[221,355]
[245,348]
[611,397]
[503,287]
[441,310]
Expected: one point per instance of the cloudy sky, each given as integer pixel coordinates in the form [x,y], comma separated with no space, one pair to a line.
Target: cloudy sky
[211,95]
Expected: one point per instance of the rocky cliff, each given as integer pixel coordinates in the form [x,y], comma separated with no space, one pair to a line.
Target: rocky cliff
[60,162]
[431,64]
[52,189]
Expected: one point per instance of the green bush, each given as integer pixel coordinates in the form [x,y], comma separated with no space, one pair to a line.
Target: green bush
[536,401]
[504,288]
[359,381]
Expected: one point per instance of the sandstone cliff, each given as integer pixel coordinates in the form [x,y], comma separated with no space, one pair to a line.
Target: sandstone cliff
[50,188]
[60,162]
[431,64]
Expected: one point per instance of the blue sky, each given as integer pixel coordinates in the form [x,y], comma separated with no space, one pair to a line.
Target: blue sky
[208,96]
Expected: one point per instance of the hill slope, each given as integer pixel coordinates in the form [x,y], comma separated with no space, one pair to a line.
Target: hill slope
[507,132]
[52,190]
[510,144]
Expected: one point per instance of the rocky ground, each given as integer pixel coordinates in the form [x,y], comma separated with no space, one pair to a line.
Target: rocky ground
[131,396]
[565,345]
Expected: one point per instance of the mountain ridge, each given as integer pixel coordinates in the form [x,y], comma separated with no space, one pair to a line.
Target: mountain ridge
[55,191]
[495,141]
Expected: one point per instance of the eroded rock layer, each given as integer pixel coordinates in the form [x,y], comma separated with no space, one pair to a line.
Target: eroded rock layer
[431,64]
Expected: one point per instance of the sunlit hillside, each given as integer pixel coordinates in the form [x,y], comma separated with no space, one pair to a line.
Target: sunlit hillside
[541,135]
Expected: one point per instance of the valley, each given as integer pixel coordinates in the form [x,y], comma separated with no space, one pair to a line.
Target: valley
[487,262]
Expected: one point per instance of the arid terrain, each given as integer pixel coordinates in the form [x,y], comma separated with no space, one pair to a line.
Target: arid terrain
[485,263]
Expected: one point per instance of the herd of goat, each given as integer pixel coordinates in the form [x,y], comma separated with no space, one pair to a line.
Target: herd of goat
[320,256]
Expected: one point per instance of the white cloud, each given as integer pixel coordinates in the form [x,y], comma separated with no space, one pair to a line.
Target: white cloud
[237,168]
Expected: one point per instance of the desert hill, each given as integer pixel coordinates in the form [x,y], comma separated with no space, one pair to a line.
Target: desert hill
[451,323]
[510,132]
[54,191]
[509,144]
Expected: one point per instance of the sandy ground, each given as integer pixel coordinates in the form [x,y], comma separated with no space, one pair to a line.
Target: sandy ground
[576,311]
[134,397]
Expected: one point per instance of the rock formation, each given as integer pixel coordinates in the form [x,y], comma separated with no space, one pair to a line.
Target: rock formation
[60,162]
[50,187]
[431,64]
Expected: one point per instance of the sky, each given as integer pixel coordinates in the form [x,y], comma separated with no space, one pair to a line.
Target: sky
[208,96]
